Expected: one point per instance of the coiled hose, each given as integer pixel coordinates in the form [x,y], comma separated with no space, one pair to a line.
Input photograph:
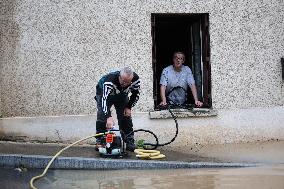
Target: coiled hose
[141,153]
[157,144]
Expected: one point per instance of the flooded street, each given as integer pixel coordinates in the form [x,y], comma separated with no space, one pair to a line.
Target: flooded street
[263,152]
[265,177]
[270,176]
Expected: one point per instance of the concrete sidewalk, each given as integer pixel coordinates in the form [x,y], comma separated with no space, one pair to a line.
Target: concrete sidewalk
[84,151]
[34,155]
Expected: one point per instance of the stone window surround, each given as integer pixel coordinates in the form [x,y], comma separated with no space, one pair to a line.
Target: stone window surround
[183,113]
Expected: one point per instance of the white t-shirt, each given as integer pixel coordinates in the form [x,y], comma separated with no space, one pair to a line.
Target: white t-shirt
[176,83]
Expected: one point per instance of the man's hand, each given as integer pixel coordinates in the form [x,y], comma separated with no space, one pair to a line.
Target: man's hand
[163,95]
[109,123]
[127,112]
[198,103]
[163,103]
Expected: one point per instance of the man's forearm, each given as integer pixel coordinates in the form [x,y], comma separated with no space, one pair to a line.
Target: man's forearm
[133,99]
[163,93]
[194,92]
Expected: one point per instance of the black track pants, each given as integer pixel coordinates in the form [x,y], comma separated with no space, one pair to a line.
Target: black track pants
[125,123]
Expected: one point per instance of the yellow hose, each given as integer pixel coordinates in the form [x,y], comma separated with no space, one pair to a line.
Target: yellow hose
[55,156]
[141,153]
[148,154]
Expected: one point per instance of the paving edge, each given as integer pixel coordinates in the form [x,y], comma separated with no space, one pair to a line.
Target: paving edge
[38,161]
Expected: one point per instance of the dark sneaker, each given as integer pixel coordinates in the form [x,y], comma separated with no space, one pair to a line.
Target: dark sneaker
[98,144]
[130,147]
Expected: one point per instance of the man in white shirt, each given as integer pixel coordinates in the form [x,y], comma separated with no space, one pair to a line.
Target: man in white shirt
[177,76]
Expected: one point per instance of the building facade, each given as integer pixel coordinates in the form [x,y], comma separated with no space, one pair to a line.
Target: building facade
[54,52]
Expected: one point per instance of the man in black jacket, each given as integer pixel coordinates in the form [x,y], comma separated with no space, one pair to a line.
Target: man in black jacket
[113,89]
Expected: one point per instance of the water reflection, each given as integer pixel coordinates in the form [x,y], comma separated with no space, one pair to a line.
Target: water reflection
[241,178]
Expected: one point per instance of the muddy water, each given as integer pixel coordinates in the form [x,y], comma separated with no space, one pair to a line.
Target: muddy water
[251,178]
[263,152]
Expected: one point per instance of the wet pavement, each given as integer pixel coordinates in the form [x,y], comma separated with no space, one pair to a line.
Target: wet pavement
[84,156]
[34,155]
[86,151]
[219,158]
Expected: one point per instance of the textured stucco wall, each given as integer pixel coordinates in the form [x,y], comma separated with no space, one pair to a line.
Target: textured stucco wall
[53,52]
[230,126]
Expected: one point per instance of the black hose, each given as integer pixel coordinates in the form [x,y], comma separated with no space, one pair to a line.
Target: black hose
[156,145]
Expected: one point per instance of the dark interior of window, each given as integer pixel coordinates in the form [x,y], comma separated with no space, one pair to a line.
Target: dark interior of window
[188,33]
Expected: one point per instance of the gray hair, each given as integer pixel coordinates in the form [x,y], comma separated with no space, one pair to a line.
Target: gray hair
[126,70]
[178,52]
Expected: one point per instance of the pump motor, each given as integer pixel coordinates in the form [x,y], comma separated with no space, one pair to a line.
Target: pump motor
[111,144]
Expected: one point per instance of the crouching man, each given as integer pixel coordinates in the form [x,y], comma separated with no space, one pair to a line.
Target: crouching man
[113,89]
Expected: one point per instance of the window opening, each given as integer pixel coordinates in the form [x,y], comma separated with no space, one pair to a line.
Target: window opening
[188,33]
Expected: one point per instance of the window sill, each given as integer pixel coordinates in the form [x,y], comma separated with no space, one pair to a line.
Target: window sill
[183,113]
